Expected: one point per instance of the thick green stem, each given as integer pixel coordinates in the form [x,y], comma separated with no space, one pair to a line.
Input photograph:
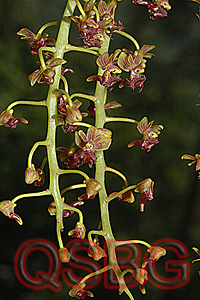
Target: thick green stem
[100,163]
[62,42]
[100,116]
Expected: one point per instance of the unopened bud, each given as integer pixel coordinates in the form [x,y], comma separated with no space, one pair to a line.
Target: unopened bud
[64,255]
[31,175]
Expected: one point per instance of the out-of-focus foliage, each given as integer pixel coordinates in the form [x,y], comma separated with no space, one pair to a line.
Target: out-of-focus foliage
[169,97]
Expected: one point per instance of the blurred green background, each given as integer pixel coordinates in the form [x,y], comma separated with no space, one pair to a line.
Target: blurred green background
[170,95]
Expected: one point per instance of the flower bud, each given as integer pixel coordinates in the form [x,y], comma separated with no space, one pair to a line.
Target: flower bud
[95,251]
[92,188]
[64,255]
[127,197]
[31,175]
[6,207]
[52,208]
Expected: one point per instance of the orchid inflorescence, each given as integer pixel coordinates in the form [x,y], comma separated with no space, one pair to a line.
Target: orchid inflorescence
[97,26]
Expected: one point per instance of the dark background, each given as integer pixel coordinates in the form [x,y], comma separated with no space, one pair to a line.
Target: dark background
[169,97]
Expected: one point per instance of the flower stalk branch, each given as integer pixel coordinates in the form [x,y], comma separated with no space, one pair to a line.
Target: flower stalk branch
[32,151]
[73,187]
[27,102]
[110,198]
[108,169]
[29,195]
[40,31]
[117,119]
[130,37]
[61,172]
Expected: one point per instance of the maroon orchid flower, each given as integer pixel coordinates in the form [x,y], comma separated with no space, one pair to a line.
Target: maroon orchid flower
[105,14]
[7,119]
[69,114]
[78,232]
[35,176]
[81,157]
[92,188]
[66,212]
[135,64]
[155,253]
[47,74]
[74,158]
[145,144]
[78,158]
[7,208]
[157,8]
[150,134]
[36,41]
[50,57]
[109,77]
[145,188]
[78,291]
[91,32]
[95,140]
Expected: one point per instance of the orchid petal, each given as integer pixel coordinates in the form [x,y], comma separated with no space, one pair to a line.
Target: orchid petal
[142,125]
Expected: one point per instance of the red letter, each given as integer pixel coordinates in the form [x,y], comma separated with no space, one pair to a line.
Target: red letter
[180,267]
[41,280]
